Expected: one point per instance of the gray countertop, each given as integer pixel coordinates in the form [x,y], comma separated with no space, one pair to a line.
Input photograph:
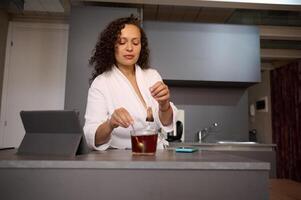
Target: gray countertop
[222,144]
[230,146]
[123,159]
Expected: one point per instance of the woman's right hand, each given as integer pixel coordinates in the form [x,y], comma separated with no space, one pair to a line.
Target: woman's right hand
[121,117]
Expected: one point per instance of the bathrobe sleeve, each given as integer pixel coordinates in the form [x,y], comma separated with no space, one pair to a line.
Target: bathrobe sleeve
[96,114]
[155,77]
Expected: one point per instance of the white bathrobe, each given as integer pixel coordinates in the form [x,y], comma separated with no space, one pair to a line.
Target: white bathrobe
[112,90]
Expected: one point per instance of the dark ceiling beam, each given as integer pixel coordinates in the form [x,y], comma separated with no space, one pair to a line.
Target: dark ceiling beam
[215,15]
[280,54]
[280,32]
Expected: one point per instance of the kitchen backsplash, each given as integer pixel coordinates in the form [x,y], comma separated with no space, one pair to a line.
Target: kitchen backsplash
[205,106]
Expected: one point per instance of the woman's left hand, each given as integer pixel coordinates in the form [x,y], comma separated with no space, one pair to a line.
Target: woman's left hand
[160,92]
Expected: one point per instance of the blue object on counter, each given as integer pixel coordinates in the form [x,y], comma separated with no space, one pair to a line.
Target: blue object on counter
[186,149]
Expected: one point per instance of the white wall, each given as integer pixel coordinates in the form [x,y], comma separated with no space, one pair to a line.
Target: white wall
[262,120]
[34,75]
[3,35]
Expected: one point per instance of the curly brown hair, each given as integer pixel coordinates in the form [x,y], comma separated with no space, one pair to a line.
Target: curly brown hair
[103,57]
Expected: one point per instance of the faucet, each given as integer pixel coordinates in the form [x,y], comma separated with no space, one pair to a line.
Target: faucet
[202,134]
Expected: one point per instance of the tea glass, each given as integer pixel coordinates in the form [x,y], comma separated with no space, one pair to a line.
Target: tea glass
[144,141]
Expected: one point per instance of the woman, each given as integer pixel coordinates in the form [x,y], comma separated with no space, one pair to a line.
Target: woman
[124,92]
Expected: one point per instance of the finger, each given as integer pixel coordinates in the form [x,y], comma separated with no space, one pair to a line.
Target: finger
[129,117]
[159,89]
[123,118]
[161,99]
[113,122]
[126,117]
[117,118]
[118,114]
[155,86]
[161,94]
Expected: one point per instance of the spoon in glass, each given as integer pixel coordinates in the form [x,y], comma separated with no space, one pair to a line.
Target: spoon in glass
[140,144]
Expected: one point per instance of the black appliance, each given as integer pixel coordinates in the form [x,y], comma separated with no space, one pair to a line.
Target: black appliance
[179,131]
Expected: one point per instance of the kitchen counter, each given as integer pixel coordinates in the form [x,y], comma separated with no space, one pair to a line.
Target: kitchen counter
[116,174]
[123,159]
[257,151]
[230,146]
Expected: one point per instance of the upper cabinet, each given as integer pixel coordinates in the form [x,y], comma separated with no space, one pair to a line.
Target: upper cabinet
[198,54]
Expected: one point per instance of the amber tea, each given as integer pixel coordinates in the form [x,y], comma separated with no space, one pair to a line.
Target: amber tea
[144,144]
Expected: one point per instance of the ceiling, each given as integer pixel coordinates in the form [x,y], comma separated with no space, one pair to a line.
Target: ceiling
[35,7]
[43,5]
[279,24]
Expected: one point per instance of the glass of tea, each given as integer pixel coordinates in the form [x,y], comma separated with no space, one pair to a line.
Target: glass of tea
[144,141]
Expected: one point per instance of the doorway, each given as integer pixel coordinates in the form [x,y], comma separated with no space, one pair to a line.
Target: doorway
[34,74]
